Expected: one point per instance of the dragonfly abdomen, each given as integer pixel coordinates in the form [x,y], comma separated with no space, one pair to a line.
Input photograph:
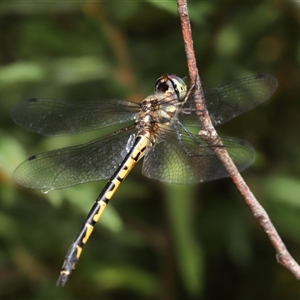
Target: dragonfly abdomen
[137,151]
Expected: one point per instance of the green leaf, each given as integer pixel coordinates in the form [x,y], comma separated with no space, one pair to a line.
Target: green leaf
[283,189]
[129,278]
[188,251]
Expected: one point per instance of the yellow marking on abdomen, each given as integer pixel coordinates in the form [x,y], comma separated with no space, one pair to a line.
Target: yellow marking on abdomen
[123,173]
[135,154]
[97,216]
[127,168]
[109,194]
[65,273]
[120,176]
[78,252]
[115,184]
[88,232]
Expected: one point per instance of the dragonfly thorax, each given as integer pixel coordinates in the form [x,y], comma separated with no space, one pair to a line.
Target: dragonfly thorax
[157,112]
[160,110]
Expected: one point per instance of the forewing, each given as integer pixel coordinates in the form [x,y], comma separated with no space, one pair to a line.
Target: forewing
[225,102]
[96,160]
[59,117]
[191,160]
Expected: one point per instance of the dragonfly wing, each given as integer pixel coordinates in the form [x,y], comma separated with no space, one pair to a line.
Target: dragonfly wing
[58,117]
[225,102]
[190,160]
[61,168]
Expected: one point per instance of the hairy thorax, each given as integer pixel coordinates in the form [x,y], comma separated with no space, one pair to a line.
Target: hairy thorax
[157,113]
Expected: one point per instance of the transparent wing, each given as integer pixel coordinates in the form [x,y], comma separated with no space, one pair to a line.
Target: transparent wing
[180,158]
[70,166]
[58,117]
[225,102]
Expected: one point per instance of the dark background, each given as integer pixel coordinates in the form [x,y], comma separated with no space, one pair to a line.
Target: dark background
[154,241]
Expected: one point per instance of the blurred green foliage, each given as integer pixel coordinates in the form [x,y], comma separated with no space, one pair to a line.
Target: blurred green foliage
[154,241]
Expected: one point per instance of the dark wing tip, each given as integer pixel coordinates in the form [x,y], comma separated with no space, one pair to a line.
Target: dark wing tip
[260,75]
[272,81]
[31,157]
[32,100]
[18,109]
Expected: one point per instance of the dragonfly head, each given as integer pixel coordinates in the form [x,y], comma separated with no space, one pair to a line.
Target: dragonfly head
[172,84]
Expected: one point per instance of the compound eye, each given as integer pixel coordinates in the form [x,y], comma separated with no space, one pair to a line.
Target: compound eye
[173,84]
[161,85]
[179,86]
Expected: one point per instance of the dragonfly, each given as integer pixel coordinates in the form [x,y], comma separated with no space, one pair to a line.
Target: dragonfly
[160,130]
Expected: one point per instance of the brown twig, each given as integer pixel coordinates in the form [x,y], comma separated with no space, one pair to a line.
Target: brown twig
[209,134]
